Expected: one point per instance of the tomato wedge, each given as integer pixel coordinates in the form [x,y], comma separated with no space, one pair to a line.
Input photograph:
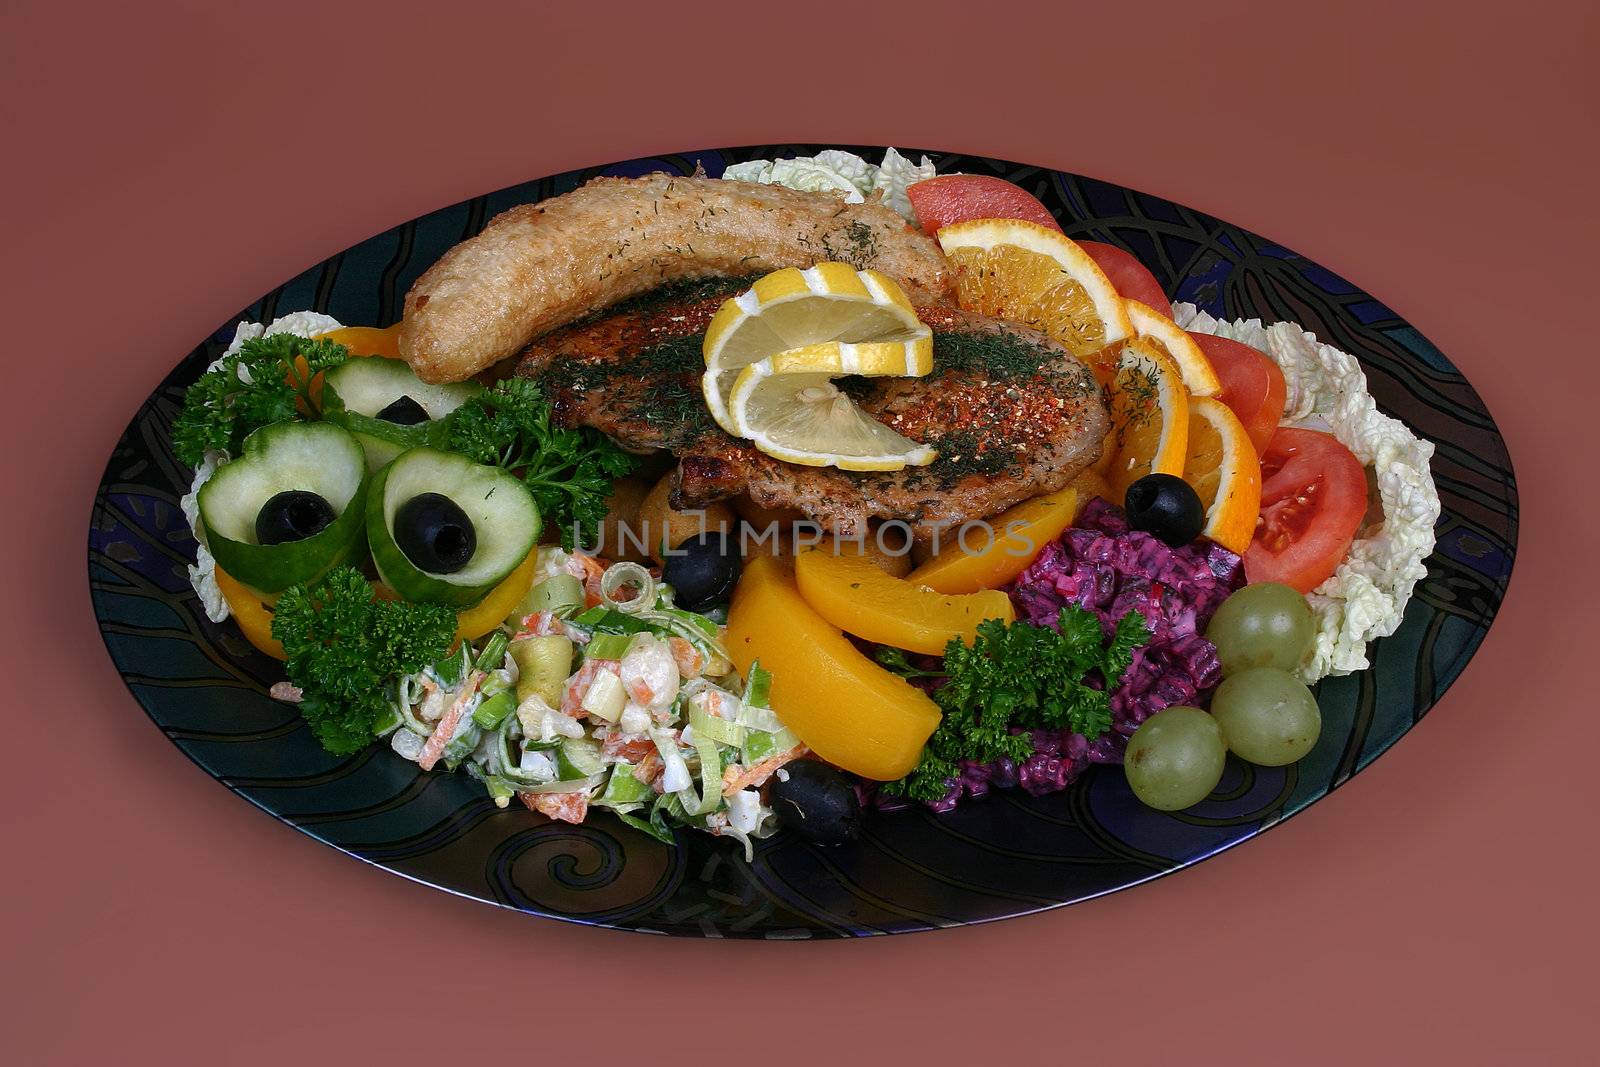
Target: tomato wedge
[1131,279]
[1313,496]
[958,197]
[1252,385]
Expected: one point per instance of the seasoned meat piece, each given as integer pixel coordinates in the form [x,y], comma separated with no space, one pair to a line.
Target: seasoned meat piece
[1012,414]
[540,266]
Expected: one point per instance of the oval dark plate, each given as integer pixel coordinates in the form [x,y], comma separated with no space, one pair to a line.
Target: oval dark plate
[1007,855]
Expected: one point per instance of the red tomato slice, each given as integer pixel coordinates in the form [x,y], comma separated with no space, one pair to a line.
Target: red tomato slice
[958,197]
[1130,278]
[1313,495]
[1252,385]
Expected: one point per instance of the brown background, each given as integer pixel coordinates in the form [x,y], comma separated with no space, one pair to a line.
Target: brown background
[168,163]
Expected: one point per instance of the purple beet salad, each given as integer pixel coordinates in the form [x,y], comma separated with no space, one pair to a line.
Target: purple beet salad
[1103,566]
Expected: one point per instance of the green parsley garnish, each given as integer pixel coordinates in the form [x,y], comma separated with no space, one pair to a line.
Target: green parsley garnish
[569,472]
[1018,675]
[258,385]
[346,651]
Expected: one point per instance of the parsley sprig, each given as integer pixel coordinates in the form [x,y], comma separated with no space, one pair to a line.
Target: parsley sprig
[569,471]
[346,649]
[1018,676]
[258,385]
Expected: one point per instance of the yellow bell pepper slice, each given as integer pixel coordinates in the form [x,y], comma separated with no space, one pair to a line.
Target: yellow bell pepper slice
[251,613]
[492,610]
[368,340]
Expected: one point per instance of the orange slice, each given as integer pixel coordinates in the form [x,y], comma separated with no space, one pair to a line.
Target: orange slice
[1027,273]
[1222,467]
[1175,342]
[1149,409]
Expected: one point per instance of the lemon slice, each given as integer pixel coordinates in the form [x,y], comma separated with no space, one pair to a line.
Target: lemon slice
[904,356]
[1034,275]
[1175,342]
[1149,409]
[792,308]
[804,418]
[1222,467]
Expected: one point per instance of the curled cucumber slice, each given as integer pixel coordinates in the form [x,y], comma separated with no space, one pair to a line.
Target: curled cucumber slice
[357,392]
[312,457]
[504,519]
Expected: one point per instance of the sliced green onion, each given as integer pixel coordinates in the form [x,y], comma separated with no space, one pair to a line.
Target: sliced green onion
[499,789]
[756,718]
[581,785]
[462,745]
[619,575]
[493,711]
[660,833]
[389,723]
[758,745]
[608,646]
[607,621]
[404,698]
[448,669]
[710,774]
[605,698]
[494,682]
[764,744]
[560,594]
[758,686]
[623,788]
[719,730]
[494,653]
[699,622]
[668,621]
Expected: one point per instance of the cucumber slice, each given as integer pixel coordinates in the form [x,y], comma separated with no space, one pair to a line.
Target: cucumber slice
[316,457]
[503,515]
[354,392]
[623,788]
[578,757]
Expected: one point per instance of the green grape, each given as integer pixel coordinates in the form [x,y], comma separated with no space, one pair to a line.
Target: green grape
[1175,758]
[1268,716]
[1264,625]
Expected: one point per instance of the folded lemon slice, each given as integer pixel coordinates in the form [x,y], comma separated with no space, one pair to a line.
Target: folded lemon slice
[804,418]
[867,313]
[908,355]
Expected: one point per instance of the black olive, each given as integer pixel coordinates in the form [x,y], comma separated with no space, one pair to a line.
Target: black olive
[434,533]
[1165,507]
[816,802]
[404,412]
[292,515]
[703,570]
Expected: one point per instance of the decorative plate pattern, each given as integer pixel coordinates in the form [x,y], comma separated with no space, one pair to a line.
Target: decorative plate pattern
[1007,855]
